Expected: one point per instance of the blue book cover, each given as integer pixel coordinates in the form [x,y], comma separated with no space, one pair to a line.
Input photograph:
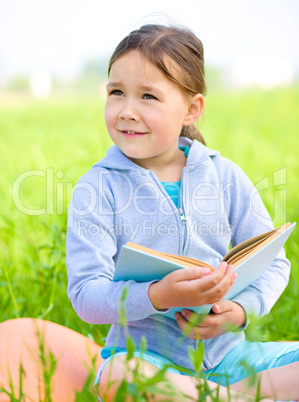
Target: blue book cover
[142,266]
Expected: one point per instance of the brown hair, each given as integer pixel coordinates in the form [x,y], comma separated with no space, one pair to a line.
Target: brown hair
[159,43]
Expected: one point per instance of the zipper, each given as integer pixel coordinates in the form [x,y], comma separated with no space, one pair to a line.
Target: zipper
[180,210]
[182,215]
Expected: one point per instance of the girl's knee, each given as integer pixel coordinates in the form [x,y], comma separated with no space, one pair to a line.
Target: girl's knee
[111,377]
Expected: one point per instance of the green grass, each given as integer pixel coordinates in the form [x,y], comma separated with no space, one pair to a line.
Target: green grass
[259,131]
[64,136]
[60,139]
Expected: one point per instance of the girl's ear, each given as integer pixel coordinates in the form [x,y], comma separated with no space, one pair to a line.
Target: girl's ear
[195,109]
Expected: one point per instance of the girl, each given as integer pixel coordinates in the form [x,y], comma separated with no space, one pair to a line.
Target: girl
[161,187]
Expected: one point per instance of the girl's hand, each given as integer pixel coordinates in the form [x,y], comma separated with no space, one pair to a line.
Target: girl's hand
[227,314]
[192,287]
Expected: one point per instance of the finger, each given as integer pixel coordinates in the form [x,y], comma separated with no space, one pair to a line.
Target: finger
[208,332]
[200,320]
[209,281]
[217,292]
[194,273]
[191,273]
[187,328]
[212,320]
[194,318]
[182,322]
[215,308]
[222,306]
[198,331]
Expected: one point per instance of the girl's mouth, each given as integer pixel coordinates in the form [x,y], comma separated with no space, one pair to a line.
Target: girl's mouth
[128,133]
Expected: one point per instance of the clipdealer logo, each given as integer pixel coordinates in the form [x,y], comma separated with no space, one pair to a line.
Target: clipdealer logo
[55,195]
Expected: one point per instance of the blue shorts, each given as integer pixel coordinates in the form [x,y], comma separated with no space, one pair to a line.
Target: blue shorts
[245,359]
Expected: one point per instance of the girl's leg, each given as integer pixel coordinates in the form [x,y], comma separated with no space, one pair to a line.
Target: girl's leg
[184,386]
[22,341]
[274,364]
[280,383]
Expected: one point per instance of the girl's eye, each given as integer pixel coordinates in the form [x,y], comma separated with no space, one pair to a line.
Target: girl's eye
[116,92]
[149,96]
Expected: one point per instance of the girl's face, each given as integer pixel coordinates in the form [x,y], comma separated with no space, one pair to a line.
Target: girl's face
[145,111]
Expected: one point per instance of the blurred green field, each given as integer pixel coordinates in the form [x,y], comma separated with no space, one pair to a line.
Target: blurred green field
[47,145]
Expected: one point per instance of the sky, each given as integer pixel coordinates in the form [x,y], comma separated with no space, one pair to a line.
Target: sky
[59,36]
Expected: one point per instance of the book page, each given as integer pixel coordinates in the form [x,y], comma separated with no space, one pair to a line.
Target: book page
[268,239]
[235,256]
[246,243]
[244,251]
[193,261]
[177,259]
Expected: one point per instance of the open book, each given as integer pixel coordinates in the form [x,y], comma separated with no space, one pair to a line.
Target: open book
[250,258]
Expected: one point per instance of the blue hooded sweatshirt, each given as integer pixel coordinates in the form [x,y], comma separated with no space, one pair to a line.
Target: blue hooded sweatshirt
[117,201]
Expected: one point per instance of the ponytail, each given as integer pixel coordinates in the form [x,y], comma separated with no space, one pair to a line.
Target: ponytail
[193,133]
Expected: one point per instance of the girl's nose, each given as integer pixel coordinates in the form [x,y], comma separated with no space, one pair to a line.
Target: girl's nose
[129,113]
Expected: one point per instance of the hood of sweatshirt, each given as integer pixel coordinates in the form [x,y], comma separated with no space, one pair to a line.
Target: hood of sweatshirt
[115,159]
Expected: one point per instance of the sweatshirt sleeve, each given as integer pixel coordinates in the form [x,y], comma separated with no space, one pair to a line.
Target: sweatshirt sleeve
[91,246]
[249,217]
